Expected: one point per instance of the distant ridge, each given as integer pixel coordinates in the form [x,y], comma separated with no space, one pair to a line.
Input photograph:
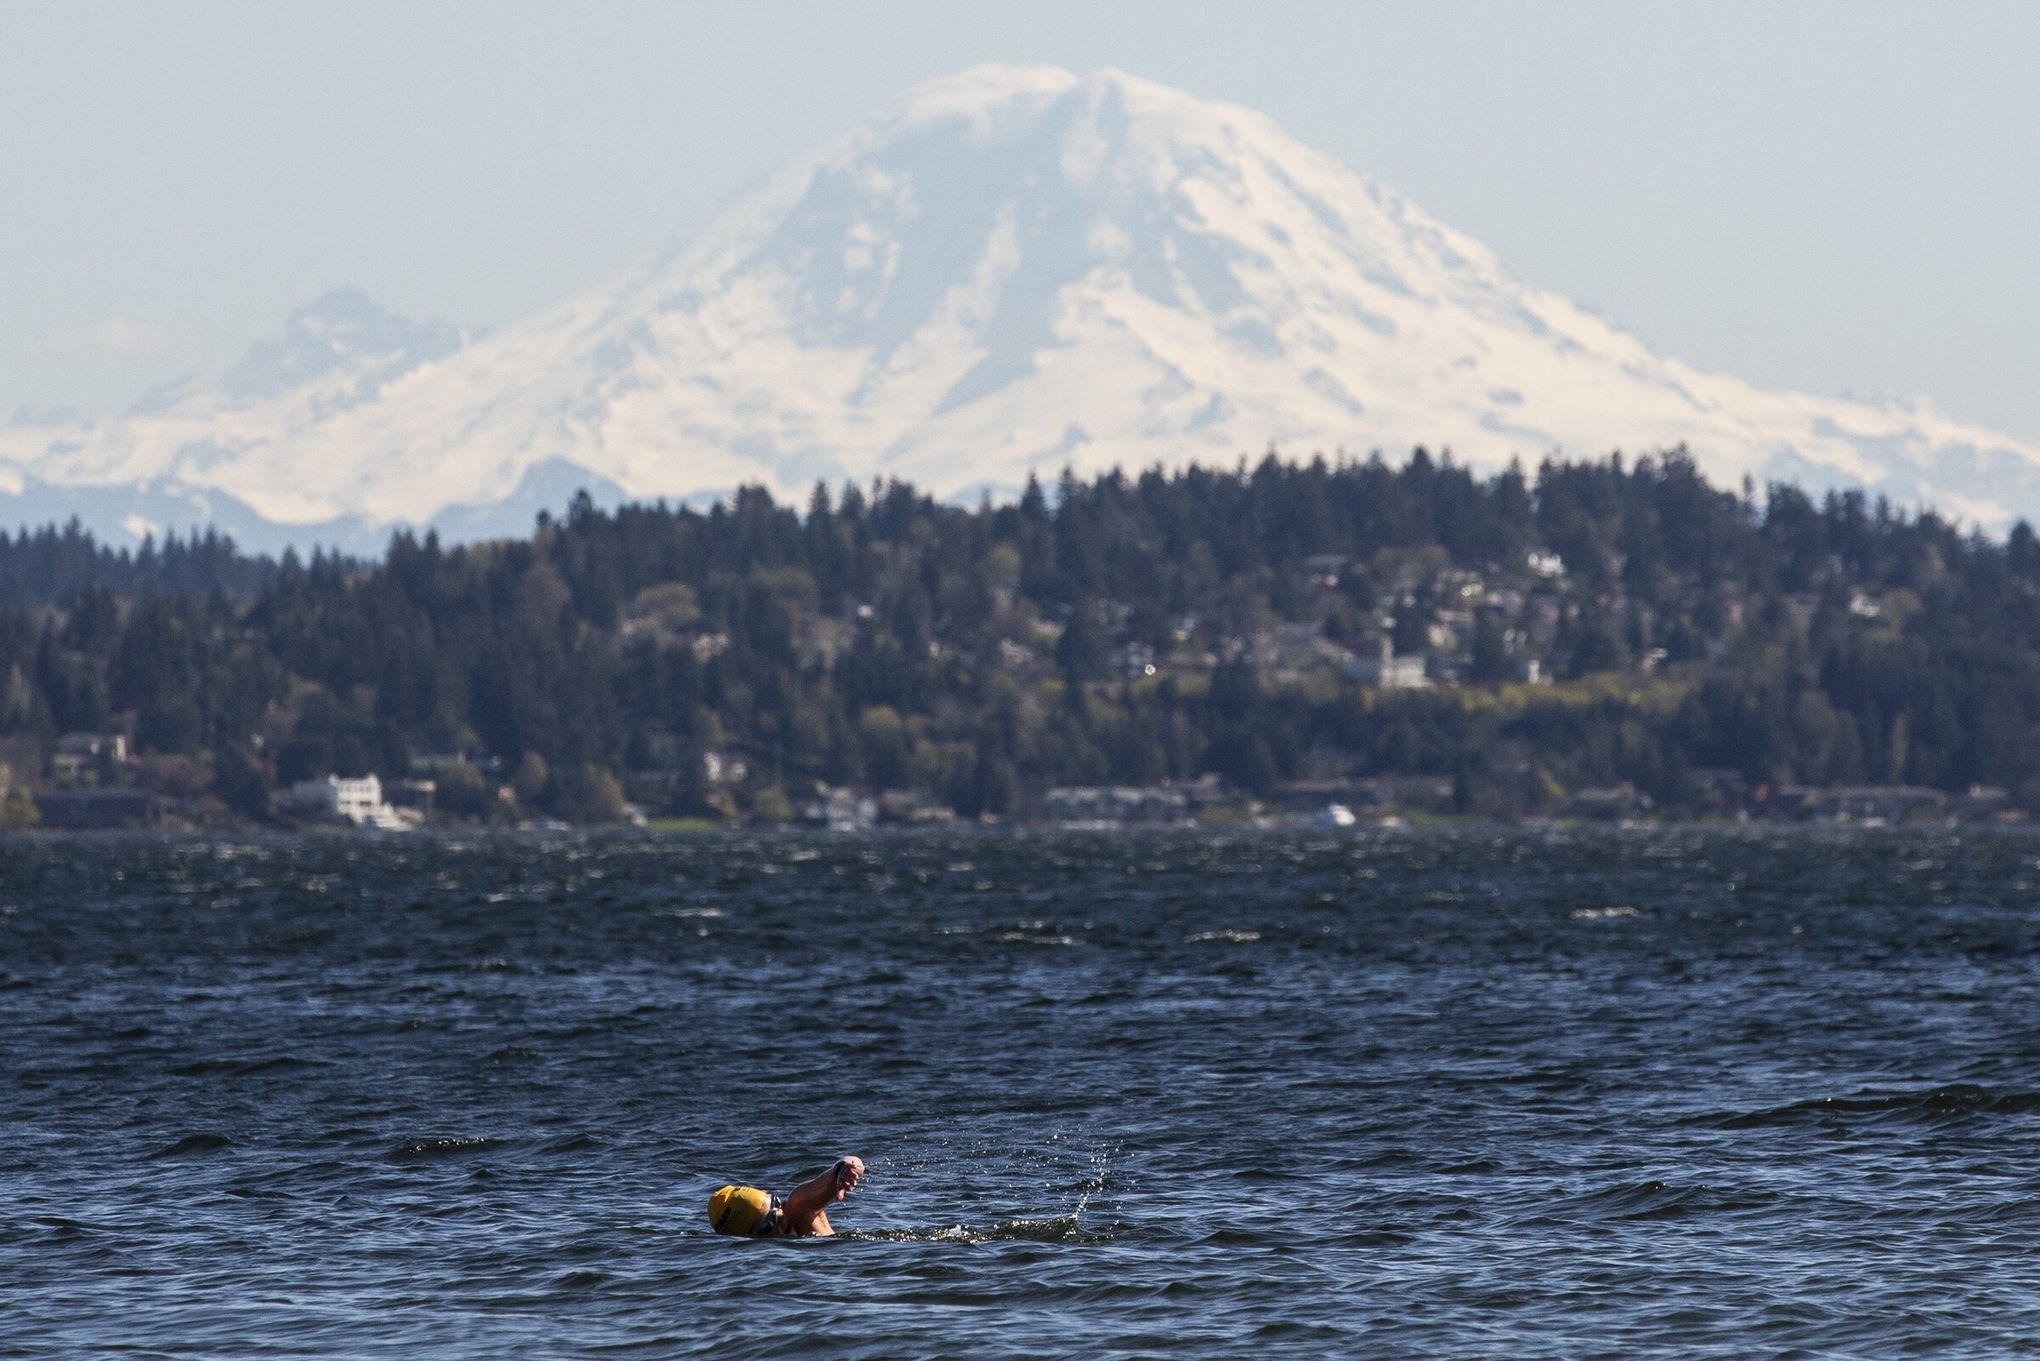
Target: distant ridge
[1012,270]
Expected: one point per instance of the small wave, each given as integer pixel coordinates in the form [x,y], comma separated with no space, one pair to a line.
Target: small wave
[1060,1229]
[58,1229]
[244,1067]
[1230,935]
[194,1143]
[572,1143]
[1603,914]
[280,1063]
[1230,1236]
[1649,1200]
[1954,1101]
[416,1150]
[1025,938]
[345,1134]
[692,912]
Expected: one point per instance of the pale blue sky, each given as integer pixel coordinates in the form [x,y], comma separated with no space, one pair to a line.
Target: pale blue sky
[1840,197]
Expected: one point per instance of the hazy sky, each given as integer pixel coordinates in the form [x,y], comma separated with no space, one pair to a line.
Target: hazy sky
[1840,197]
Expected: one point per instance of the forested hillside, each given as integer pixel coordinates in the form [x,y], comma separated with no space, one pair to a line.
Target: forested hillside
[1523,636]
[52,565]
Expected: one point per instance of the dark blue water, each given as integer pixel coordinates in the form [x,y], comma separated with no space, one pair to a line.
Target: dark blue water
[1472,1094]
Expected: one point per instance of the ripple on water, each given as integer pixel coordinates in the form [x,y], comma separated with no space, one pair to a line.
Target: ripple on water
[195,1143]
[423,1150]
[1958,1101]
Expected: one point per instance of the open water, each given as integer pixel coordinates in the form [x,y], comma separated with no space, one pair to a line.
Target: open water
[1562,1094]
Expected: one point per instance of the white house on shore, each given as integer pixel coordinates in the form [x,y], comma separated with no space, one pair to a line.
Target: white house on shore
[1387,671]
[357,801]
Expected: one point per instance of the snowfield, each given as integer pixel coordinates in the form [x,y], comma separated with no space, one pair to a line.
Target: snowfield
[1014,270]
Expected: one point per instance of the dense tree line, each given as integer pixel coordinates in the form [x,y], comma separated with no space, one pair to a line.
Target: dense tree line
[53,564]
[881,639]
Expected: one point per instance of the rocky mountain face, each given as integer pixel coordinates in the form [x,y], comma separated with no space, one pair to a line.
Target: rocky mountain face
[1013,270]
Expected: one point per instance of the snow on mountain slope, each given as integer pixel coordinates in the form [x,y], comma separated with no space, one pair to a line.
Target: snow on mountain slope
[1013,270]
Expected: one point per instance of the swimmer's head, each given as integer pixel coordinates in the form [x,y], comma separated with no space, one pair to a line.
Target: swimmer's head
[737,1209]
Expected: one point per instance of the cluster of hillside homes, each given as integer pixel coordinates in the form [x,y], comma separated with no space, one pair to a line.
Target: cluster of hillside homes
[1457,627]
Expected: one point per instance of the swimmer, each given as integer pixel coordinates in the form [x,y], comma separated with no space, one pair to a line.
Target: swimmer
[750,1213]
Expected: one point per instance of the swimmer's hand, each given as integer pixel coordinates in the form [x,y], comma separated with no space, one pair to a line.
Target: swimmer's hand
[804,1203]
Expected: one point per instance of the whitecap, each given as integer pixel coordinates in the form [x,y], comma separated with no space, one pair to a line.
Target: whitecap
[1026,938]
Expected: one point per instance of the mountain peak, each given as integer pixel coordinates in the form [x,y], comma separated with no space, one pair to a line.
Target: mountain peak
[1009,271]
[987,86]
[341,326]
[995,86]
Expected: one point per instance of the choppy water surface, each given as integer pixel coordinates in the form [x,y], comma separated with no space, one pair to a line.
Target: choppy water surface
[1565,1095]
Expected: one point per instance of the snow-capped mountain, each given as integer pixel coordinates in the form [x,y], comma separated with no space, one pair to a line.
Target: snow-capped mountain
[1015,269]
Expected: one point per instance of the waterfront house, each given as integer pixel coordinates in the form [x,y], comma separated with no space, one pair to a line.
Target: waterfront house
[338,798]
[1386,671]
[81,752]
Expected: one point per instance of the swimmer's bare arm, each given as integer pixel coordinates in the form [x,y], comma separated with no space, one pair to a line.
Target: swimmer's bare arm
[805,1212]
